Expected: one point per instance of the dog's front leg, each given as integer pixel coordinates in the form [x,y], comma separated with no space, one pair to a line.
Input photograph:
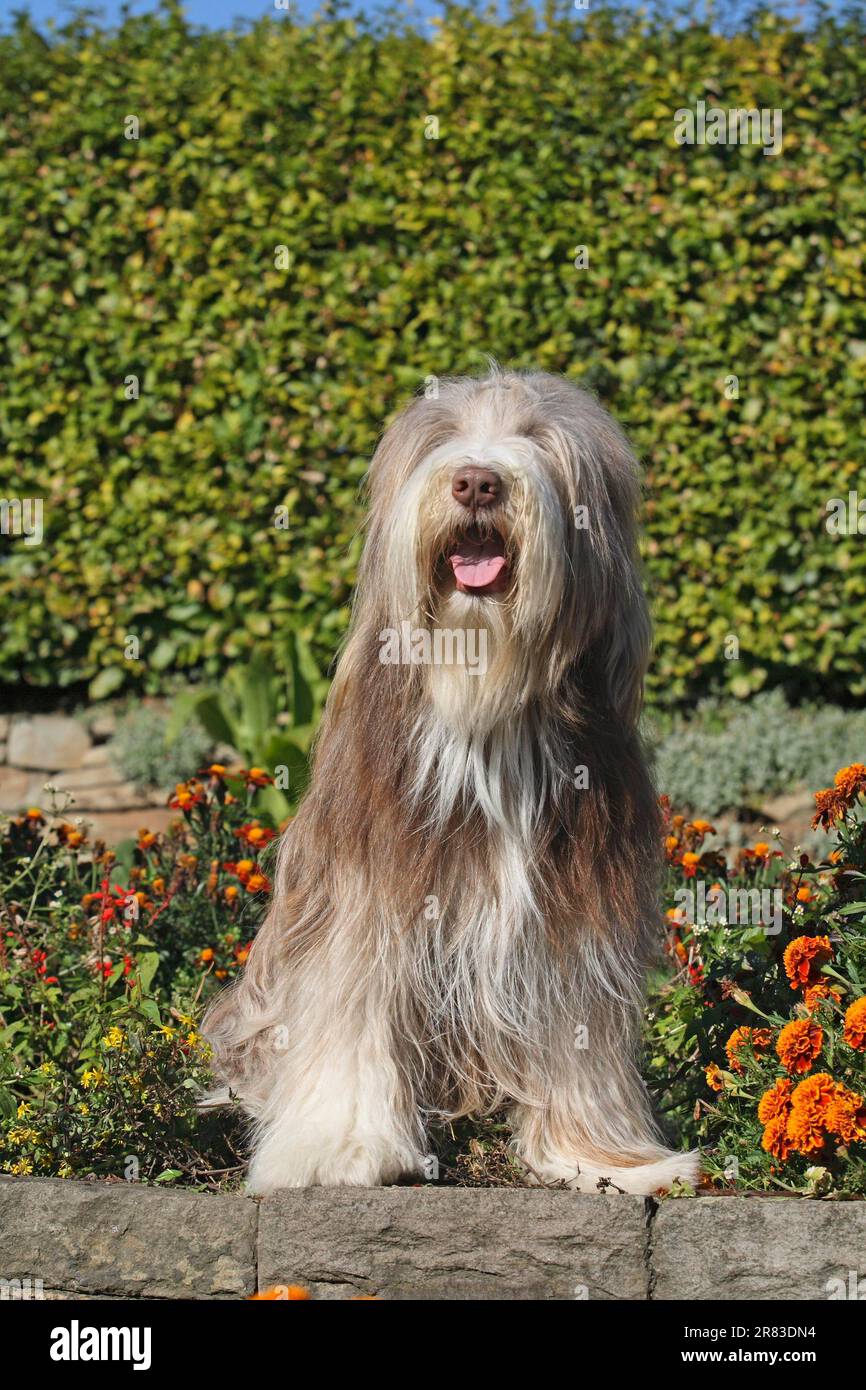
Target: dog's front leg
[340,1111]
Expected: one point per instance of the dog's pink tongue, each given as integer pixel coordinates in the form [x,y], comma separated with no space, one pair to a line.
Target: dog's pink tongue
[477,563]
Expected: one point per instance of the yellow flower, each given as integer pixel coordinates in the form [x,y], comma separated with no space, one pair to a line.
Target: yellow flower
[83,1108]
[113,1039]
[22,1169]
[23,1109]
[166,1031]
[94,1076]
[48,1068]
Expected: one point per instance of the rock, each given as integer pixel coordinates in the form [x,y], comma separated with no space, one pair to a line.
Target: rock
[453,1243]
[99,789]
[48,742]
[98,756]
[798,805]
[103,727]
[14,788]
[772,1248]
[120,1239]
[114,826]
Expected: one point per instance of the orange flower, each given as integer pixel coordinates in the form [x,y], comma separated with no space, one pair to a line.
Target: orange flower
[690,863]
[146,839]
[854,1032]
[206,955]
[813,995]
[258,883]
[255,834]
[798,1045]
[851,782]
[845,1115]
[292,1293]
[806,1130]
[759,1038]
[714,1077]
[703,827]
[761,849]
[775,1138]
[671,843]
[230,894]
[804,957]
[257,777]
[775,1102]
[830,806]
[804,894]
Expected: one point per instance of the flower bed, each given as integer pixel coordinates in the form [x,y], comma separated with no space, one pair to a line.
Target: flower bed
[756,1030]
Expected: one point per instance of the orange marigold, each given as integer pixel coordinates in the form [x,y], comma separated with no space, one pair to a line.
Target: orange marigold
[805,1130]
[776,1102]
[845,1115]
[854,1031]
[799,1043]
[775,1139]
[814,994]
[851,781]
[758,1037]
[690,863]
[714,1077]
[804,957]
[830,806]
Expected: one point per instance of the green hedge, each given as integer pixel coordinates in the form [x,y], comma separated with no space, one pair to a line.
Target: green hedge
[414,257]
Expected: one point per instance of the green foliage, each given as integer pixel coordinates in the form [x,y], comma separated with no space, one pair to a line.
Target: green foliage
[733,756]
[269,719]
[150,755]
[410,257]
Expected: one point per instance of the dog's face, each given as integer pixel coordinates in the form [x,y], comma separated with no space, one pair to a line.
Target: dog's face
[508,504]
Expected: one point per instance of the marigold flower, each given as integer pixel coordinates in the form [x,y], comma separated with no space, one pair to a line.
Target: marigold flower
[283,1292]
[845,1115]
[775,1139]
[231,893]
[775,1102]
[34,814]
[714,1077]
[851,781]
[830,806]
[258,883]
[761,849]
[207,954]
[257,777]
[690,863]
[146,838]
[255,834]
[805,1130]
[854,1031]
[703,827]
[804,957]
[804,894]
[813,995]
[798,1045]
[760,1038]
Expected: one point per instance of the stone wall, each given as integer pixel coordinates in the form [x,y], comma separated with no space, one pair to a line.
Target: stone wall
[109,1240]
[74,757]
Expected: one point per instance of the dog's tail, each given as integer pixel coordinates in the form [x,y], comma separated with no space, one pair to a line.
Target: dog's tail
[655,1176]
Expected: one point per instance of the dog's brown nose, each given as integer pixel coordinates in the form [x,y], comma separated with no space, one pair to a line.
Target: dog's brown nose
[475,487]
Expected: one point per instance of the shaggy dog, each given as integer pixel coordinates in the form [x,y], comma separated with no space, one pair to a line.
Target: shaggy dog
[465,904]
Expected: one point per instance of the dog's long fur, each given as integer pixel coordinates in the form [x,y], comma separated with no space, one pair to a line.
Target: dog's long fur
[458,924]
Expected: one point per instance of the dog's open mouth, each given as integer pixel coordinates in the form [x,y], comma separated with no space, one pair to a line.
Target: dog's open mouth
[479,563]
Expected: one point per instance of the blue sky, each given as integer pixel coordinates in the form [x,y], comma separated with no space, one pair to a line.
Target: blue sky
[221,13]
